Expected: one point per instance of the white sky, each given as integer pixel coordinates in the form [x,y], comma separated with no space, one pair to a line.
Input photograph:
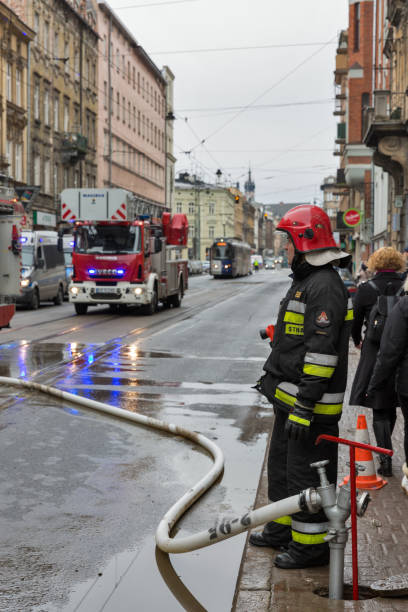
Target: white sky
[289,148]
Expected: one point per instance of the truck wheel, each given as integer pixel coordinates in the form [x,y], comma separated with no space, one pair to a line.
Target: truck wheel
[59,298]
[81,309]
[176,299]
[35,300]
[151,308]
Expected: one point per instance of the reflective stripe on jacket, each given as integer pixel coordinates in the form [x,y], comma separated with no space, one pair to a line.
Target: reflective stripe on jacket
[309,354]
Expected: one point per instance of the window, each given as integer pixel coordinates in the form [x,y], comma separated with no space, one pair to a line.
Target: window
[138,122]
[147,129]
[117,60]
[56,111]
[87,73]
[8,81]
[18,167]
[47,176]
[123,109]
[191,208]
[111,100]
[18,87]
[134,77]
[138,82]
[9,146]
[76,63]
[46,107]
[37,101]
[129,114]
[134,118]
[37,23]
[179,207]
[66,56]
[118,105]
[56,178]
[356,26]
[37,169]
[105,46]
[56,45]
[123,66]
[46,36]
[66,115]
[211,232]
[211,208]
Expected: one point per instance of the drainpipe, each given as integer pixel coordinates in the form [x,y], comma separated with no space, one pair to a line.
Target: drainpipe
[110,102]
[28,152]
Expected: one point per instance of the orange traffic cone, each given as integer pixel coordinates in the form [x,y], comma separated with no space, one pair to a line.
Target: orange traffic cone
[368,478]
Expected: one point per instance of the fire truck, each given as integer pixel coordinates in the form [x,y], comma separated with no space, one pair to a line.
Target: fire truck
[120,257]
[11,215]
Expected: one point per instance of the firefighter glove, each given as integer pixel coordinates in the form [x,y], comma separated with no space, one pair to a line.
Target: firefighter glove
[299,422]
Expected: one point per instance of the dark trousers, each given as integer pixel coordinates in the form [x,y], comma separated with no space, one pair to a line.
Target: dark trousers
[289,472]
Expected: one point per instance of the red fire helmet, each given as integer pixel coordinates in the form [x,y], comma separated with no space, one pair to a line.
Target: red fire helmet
[309,227]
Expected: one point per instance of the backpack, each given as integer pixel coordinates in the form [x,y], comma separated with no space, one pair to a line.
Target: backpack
[379,312]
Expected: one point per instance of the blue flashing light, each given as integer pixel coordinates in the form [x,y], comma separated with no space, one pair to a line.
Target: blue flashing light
[90,358]
[120,272]
[72,243]
[91,271]
[23,239]
[40,240]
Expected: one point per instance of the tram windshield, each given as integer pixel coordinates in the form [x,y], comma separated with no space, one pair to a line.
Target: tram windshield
[222,250]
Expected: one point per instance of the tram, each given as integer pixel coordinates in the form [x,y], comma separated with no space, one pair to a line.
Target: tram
[230,257]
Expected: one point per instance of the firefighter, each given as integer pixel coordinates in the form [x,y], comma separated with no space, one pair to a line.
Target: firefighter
[305,380]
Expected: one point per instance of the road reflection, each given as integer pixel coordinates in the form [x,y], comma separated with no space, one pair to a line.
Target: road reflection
[176,586]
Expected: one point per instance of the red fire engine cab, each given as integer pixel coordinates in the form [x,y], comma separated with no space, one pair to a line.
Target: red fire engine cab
[120,257]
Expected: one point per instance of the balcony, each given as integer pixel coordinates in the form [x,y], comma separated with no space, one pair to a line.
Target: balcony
[74,147]
[341,67]
[395,9]
[387,134]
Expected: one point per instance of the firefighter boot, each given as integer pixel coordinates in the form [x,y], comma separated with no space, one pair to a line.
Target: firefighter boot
[274,535]
[382,431]
[299,556]
[404,483]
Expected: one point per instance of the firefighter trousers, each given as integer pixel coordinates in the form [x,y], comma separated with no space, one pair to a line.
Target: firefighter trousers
[289,472]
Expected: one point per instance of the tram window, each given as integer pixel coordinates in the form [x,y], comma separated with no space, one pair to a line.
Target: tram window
[220,252]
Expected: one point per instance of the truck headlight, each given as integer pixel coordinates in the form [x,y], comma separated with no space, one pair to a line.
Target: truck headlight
[25,282]
[74,290]
[138,291]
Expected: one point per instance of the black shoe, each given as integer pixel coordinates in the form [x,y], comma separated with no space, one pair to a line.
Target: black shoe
[285,561]
[385,468]
[258,539]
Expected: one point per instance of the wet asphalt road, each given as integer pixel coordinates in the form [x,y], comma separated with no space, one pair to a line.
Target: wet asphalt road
[81,493]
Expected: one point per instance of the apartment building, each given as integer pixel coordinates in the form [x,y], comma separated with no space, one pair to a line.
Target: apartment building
[63,94]
[210,210]
[14,53]
[134,131]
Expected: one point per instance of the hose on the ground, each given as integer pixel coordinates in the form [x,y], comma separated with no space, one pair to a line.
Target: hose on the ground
[220,531]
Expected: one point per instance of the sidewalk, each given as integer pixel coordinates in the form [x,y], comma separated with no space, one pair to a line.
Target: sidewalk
[382,543]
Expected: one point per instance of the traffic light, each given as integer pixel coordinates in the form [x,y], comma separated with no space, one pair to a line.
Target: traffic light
[265,215]
[237,199]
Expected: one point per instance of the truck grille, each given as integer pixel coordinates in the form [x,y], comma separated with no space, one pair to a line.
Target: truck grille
[105,296]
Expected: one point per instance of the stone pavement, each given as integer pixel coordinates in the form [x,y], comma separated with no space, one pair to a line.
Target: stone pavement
[382,542]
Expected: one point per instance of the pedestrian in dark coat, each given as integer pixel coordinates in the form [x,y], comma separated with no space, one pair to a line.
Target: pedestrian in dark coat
[387,264]
[393,357]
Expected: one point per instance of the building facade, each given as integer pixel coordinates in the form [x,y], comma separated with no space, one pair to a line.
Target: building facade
[63,94]
[210,210]
[14,78]
[132,116]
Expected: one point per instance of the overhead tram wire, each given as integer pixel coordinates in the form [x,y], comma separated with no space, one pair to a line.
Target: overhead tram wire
[287,75]
[243,48]
[135,6]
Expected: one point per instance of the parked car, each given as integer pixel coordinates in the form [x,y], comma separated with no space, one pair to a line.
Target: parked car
[195,266]
[43,269]
[348,280]
[206,266]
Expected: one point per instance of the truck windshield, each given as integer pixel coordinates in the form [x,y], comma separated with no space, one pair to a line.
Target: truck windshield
[27,257]
[107,239]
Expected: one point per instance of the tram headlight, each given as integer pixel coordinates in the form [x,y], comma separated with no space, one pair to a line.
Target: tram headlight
[74,290]
[216,266]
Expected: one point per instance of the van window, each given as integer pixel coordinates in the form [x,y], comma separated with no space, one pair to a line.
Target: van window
[52,256]
[27,255]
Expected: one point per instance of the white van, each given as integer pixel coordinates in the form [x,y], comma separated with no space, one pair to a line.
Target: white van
[68,245]
[43,269]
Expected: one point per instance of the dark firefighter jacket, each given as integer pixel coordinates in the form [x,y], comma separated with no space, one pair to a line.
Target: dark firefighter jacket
[393,354]
[309,354]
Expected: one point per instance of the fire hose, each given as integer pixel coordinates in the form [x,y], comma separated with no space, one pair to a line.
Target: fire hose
[337,506]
